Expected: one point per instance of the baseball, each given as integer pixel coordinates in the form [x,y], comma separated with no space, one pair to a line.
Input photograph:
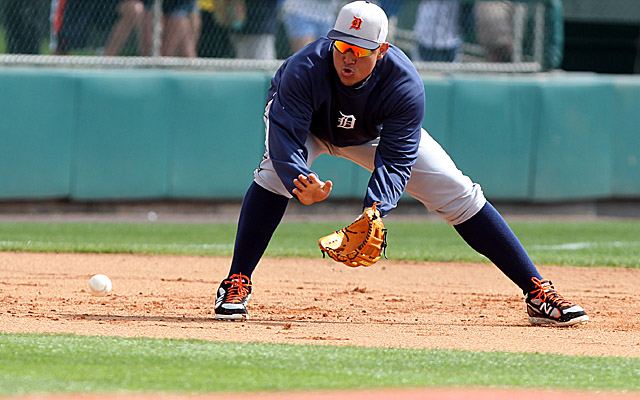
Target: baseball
[100,285]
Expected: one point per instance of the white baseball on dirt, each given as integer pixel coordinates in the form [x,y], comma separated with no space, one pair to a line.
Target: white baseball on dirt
[100,285]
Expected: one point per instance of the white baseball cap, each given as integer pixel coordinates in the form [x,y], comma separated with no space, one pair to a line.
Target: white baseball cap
[362,24]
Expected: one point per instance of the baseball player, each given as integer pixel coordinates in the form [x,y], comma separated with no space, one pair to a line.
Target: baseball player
[353,95]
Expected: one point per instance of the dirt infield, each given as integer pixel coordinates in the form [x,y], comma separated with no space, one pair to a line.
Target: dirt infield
[316,301]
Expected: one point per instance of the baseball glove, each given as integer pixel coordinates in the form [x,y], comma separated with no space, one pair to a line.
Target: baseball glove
[360,243]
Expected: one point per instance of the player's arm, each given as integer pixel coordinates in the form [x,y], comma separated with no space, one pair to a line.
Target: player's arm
[289,121]
[397,152]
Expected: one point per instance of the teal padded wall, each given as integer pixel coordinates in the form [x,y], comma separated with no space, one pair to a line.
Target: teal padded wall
[217,133]
[158,134]
[92,135]
[36,125]
[625,147]
[438,111]
[573,150]
[492,129]
[122,136]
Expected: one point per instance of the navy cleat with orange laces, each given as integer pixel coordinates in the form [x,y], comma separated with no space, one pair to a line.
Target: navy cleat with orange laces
[545,306]
[232,297]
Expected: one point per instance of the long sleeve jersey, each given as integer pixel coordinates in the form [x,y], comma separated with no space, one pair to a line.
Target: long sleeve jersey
[308,98]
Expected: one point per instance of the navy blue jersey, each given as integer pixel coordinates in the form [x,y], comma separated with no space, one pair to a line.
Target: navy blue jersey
[308,97]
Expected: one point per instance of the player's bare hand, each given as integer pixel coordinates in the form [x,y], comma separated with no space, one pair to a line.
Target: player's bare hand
[311,189]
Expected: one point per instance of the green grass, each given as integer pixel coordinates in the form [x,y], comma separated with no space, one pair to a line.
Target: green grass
[197,239]
[64,363]
[610,243]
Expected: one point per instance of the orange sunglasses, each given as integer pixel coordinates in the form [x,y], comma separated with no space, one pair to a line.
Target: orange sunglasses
[343,47]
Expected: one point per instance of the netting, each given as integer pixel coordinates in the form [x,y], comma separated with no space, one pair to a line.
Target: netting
[445,35]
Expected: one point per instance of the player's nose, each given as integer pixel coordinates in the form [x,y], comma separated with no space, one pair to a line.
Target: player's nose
[349,57]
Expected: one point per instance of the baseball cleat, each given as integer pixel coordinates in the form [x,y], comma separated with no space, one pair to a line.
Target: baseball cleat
[545,306]
[232,297]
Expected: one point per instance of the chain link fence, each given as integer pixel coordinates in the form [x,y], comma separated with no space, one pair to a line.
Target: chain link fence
[438,35]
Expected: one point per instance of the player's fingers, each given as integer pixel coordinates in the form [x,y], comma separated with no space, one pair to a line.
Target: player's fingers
[328,185]
[324,191]
[303,179]
[302,197]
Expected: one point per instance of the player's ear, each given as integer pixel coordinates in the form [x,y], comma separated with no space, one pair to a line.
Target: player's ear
[383,50]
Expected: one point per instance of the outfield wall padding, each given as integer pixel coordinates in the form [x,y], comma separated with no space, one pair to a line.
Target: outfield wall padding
[103,135]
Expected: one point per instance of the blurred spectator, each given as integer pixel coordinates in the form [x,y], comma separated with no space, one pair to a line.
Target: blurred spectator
[25,25]
[129,18]
[495,29]
[196,24]
[307,20]
[81,24]
[437,31]
[636,67]
[70,24]
[554,40]
[257,37]
[217,18]
[392,7]
[178,34]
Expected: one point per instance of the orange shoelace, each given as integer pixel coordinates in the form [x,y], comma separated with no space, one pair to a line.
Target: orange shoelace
[545,291]
[240,285]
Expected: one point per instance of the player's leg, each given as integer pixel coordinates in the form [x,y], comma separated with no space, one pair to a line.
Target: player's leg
[262,210]
[260,215]
[442,188]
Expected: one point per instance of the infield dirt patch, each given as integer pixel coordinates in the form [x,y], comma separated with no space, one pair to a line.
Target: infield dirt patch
[316,301]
